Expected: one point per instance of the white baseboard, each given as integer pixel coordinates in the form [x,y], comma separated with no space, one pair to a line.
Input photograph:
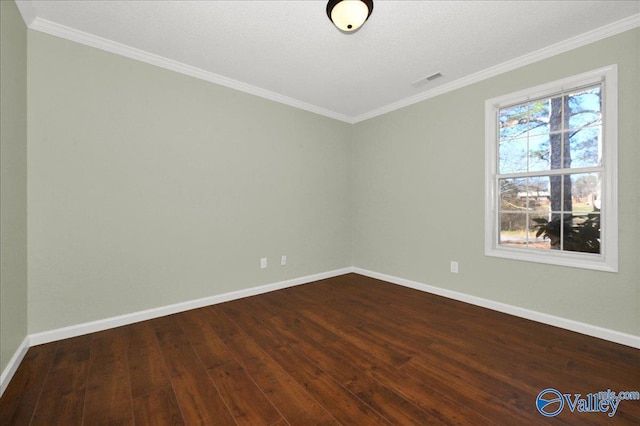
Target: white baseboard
[14,362]
[567,324]
[117,321]
[107,323]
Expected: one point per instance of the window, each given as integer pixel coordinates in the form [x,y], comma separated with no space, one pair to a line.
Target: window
[551,173]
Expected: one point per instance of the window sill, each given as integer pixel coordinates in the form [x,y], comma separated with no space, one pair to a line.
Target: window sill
[553,257]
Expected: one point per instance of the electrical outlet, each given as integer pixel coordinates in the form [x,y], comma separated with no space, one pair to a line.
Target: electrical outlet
[263,262]
[454,267]
[283,260]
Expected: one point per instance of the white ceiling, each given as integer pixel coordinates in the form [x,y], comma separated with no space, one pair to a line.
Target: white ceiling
[290,52]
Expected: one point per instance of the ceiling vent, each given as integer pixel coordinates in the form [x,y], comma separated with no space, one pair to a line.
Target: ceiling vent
[425,80]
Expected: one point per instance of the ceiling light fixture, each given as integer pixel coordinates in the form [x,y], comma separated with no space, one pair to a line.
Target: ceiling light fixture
[349,15]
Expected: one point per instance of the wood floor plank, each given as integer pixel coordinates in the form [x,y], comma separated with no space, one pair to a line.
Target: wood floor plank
[487,325]
[350,332]
[287,395]
[342,404]
[211,349]
[62,399]
[346,407]
[480,337]
[404,336]
[72,351]
[382,367]
[431,399]
[199,400]
[382,399]
[147,370]
[219,322]
[522,341]
[157,408]
[289,317]
[108,398]
[246,401]
[63,394]
[478,391]
[21,396]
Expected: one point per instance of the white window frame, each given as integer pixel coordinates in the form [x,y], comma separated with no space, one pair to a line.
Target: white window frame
[607,260]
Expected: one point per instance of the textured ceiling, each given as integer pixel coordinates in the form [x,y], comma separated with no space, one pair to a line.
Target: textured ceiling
[290,52]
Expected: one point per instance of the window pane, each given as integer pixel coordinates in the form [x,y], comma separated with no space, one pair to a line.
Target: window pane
[538,236]
[513,121]
[513,156]
[556,130]
[555,150]
[538,193]
[539,153]
[585,108]
[582,233]
[585,149]
[539,113]
[585,192]
[560,193]
[513,229]
[513,196]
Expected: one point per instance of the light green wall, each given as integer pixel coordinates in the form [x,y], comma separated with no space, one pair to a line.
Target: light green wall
[149,188]
[418,187]
[13,181]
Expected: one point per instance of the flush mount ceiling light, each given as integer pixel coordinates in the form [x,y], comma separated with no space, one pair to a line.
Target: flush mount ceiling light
[349,15]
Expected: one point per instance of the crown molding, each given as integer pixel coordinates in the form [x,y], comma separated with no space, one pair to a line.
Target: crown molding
[68,33]
[33,22]
[27,11]
[547,52]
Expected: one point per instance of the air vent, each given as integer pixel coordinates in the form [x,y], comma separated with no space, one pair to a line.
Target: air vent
[425,80]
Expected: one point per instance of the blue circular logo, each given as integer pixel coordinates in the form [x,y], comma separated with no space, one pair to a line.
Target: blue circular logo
[549,402]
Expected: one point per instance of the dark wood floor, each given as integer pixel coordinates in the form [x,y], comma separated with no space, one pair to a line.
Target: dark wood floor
[347,350]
